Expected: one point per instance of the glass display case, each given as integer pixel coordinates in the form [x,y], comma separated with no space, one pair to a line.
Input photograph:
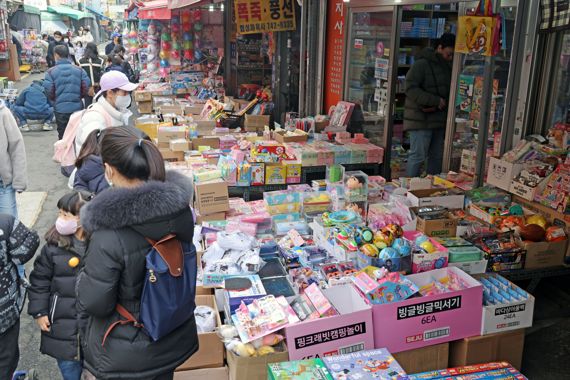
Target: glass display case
[464,132]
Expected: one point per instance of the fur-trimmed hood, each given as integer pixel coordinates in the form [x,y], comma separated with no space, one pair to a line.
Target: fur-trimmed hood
[152,203]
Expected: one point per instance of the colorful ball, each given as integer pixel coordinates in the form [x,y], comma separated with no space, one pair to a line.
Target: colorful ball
[388,253]
[165,45]
[198,26]
[176,45]
[175,28]
[164,63]
[164,54]
[165,36]
[420,239]
[188,55]
[175,54]
[187,36]
[427,246]
[403,247]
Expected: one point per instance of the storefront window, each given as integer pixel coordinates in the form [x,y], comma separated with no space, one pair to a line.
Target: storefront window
[470,94]
[561,111]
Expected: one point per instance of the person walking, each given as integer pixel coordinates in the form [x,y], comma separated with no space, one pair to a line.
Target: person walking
[57,40]
[93,64]
[13,171]
[116,41]
[111,106]
[65,86]
[87,36]
[52,299]
[427,98]
[126,66]
[18,245]
[33,104]
[144,201]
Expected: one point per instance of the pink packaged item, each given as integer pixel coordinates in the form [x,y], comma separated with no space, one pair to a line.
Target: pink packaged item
[237,225]
[359,139]
[342,137]
[364,282]
[319,301]
[238,155]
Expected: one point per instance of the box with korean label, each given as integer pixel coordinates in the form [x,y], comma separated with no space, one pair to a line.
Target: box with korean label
[349,331]
[430,319]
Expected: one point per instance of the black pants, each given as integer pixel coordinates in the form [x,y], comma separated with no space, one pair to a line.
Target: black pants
[88,101]
[9,352]
[61,119]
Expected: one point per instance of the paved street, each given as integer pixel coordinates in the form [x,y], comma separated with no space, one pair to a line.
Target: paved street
[43,176]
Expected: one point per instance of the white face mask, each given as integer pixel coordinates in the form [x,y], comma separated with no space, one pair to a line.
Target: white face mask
[66,40]
[57,39]
[122,102]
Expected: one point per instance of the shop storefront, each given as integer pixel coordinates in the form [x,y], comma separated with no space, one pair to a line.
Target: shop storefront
[364,70]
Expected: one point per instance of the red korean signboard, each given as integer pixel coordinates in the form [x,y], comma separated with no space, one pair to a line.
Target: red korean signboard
[334,59]
[260,16]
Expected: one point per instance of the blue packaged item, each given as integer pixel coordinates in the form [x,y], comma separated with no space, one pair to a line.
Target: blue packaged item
[365,365]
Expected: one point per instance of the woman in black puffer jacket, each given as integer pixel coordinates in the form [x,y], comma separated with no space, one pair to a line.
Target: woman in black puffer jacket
[143,201]
[52,300]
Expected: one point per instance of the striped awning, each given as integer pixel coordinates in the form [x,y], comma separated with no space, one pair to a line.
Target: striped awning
[555,15]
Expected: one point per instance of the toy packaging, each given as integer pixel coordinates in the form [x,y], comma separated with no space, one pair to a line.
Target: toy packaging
[496,370]
[310,369]
[365,365]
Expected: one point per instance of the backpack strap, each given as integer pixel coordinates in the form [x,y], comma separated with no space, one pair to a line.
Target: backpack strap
[170,249]
[129,318]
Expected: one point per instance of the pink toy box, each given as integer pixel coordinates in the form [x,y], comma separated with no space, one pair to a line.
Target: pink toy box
[424,321]
[423,262]
[350,331]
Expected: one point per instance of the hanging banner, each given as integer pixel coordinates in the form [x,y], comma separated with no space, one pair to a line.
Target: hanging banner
[259,16]
[334,58]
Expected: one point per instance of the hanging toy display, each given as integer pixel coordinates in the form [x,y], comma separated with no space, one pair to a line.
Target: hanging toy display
[152,49]
[133,41]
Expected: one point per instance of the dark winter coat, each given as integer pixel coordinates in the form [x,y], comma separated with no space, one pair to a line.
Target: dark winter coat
[65,86]
[50,59]
[91,175]
[34,99]
[427,82]
[17,246]
[93,66]
[118,220]
[109,48]
[52,293]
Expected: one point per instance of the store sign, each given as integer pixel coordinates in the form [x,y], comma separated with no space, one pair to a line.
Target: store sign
[259,16]
[334,60]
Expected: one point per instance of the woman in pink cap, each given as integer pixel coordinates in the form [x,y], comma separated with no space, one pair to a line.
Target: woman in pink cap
[110,107]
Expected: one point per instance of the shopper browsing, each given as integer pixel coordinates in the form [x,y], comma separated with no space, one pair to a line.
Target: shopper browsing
[90,173]
[427,99]
[18,245]
[143,202]
[111,106]
[52,292]
[32,104]
[65,85]
[93,65]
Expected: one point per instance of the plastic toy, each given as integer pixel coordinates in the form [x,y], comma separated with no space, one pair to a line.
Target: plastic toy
[363,235]
[383,239]
[403,246]
[538,220]
[370,250]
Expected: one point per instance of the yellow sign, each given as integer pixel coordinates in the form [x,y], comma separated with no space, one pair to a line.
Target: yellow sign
[259,16]
[475,35]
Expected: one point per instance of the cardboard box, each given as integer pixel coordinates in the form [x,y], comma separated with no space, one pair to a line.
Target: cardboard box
[144,107]
[150,129]
[169,155]
[212,197]
[175,109]
[507,316]
[250,368]
[275,174]
[544,254]
[297,137]
[428,320]
[143,96]
[471,267]
[211,349]
[210,217]
[501,173]
[479,213]
[437,227]
[424,359]
[419,198]
[257,120]
[205,127]
[180,145]
[165,134]
[212,142]
[523,190]
[506,346]
[221,373]
[348,332]
[193,110]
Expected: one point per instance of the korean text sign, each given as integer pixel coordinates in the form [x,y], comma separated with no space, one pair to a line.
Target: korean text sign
[258,16]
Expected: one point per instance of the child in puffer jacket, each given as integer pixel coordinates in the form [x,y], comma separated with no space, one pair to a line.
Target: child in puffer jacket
[90,174]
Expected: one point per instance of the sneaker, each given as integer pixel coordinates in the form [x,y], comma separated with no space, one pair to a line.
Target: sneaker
[47,127]
[25,128]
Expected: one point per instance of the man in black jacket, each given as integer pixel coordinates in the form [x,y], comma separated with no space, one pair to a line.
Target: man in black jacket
[57,40]
[427,98]
[17,246]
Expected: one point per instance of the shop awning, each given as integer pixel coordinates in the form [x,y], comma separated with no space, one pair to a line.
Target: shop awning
[555,15]
[31,9]
[69,12]
[51,22]
[98,14]
[155,10]
[175,4]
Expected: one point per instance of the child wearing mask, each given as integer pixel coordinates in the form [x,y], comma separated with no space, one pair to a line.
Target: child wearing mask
[52,300]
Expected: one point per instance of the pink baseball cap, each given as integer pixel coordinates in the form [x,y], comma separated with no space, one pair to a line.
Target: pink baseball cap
[115,80]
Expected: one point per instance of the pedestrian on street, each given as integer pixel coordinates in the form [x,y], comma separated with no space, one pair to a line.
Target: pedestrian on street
[18,245]
[427,98]
[111,106]
[57,40]
[90,173]
[93,64]
[87,36]
[116,41]
[143,201]
[52,299]
[115,63]
[13,171]
[33,104]
[65,86]
[126,66]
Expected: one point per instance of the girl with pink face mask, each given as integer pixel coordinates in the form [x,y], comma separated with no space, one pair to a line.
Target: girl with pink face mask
[52,300]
